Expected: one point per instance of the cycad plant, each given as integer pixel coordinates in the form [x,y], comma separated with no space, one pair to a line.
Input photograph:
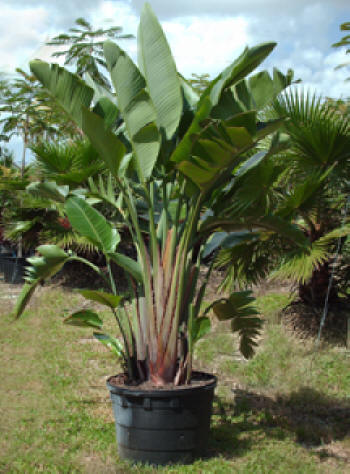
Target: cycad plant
[172,153]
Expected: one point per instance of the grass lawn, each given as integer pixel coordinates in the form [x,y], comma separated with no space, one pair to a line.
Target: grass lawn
[285,411]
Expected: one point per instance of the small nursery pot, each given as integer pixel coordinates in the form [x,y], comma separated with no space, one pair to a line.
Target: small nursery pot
[161,426]
[14,269]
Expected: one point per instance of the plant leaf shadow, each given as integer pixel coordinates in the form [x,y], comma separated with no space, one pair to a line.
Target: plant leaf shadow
[306,416]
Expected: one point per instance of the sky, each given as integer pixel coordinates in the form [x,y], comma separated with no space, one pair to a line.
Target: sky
[204,35]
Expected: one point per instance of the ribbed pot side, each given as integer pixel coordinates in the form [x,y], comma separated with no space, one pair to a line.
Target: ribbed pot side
[13,269]
[163,426]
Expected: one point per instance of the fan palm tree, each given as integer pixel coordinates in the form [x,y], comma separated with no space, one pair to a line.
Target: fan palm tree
[307,185]
[66,162]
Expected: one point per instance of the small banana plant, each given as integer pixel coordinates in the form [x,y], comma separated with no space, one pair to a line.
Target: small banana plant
[169,153]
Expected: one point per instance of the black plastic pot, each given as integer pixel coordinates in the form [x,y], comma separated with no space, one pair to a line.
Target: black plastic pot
[14,269]
[3,257]
[5,248]
[163,426]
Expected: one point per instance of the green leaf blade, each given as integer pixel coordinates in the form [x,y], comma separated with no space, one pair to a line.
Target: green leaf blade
[160,72]
[107,299]
[84,319]
[240,310]
[67,88]
[136,107]
[91,224]
[113,344]
[105,142]
[128,264]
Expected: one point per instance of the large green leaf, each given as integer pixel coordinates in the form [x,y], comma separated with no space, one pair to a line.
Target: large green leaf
[137,108]
[190,95]
[183,149]
[270,223]
[113,344]
[105,142]
[88,222]
[158,67]
[107,299]
[48,190]
[253,93]
[200,327]
[217,149]
[284,228]
[51,261]
[240,68]
[100,92]
[107,110]
[243,315]
[128,264]
[85,318]
[24,298]
[69,90]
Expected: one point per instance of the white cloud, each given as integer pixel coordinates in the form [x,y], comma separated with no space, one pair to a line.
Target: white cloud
[317,71]
[259,8]
[204,35]
[21,31]
[62,13]
[205,45]
[200,43]
[193,40]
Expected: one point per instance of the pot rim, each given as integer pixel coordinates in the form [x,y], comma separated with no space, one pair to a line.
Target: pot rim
[163,393]
[16,259]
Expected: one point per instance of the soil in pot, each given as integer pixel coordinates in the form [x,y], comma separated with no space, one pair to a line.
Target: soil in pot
[162,425]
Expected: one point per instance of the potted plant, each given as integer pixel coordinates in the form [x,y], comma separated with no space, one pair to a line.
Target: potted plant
[171,155]
[5,251]
[12,262]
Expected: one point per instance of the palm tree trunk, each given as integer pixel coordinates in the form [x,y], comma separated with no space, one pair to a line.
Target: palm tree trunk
[23,166]
[315,290]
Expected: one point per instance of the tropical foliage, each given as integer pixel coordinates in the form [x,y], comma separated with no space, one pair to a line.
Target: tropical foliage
[345,41]
[307,185]
[85,48]
[173,158]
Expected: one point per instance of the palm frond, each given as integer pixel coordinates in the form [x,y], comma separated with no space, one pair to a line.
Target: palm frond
[67,162]
[319,135]
[298,266]
[67,239]
[248,262]
[239,308]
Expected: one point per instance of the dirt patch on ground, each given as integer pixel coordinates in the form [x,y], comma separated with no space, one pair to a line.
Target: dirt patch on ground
[317,421]
[304,321]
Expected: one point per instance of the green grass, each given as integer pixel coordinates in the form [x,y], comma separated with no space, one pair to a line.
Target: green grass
[285,411]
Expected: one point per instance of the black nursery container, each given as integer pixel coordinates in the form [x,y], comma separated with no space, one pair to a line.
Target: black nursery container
[14,269]
[163,426]
[3,257]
